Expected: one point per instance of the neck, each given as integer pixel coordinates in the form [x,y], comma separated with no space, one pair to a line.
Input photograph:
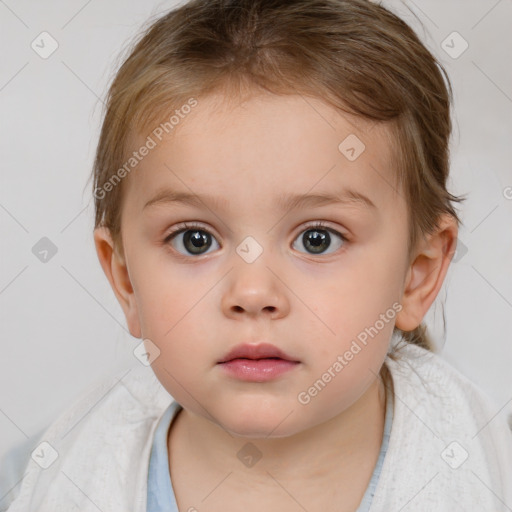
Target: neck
[345,447]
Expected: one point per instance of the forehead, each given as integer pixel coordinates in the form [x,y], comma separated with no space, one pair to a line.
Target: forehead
[264,147]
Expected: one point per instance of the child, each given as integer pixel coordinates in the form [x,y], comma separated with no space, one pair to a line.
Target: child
[285,374]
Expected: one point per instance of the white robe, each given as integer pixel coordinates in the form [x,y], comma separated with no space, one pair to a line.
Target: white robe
[449,449]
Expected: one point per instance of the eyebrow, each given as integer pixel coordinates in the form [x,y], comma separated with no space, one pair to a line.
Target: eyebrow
[287,202]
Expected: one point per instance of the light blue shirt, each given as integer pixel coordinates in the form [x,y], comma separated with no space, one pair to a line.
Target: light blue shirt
[161,494]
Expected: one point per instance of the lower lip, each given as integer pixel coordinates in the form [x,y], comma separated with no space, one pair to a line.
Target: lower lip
[258,370]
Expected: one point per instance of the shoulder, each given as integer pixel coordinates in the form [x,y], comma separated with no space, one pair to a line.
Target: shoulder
[95,446]
[430,382]
[133,394]
[443,397]
[447,438]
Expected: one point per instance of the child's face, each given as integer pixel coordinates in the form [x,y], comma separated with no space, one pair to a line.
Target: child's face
[311,298]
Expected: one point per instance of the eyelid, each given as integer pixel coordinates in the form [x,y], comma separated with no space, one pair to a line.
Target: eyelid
[194,225]
[185,226]
[320,224]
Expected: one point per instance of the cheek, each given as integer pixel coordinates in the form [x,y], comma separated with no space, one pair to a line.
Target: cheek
[164,292]
[353,307]
[354,297]
[176,316]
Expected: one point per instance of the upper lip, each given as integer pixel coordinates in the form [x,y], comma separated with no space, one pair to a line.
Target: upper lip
[260,351]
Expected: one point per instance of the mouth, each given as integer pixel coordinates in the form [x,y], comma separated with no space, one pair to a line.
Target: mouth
[257,363]
[257,370]
[263,351]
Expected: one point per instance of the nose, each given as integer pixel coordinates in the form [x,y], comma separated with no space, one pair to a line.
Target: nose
[255,290]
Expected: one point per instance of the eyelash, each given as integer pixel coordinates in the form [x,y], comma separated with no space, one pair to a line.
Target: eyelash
[193,226]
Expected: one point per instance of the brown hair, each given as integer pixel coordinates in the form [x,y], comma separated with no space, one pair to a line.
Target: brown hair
[354,54]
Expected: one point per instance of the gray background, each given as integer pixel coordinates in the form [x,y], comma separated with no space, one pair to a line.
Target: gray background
[61,327]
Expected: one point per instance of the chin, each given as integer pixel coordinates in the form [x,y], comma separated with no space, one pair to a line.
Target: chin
[258,425]
[255,432]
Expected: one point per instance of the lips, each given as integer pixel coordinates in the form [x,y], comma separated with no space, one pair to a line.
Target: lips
[261,351]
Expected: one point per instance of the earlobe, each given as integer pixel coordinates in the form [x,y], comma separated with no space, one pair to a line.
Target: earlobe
[426,274]
[115,269]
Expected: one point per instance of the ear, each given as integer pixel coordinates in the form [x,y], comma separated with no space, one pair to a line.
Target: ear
[426,273]
[114,266]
